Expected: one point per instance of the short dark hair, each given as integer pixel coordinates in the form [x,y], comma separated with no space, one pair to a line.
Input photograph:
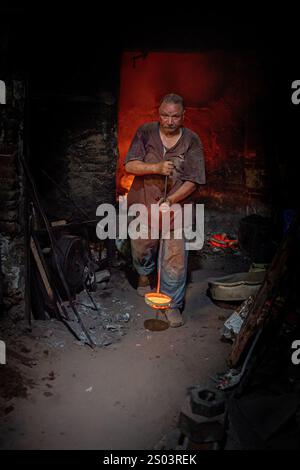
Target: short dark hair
[172,98]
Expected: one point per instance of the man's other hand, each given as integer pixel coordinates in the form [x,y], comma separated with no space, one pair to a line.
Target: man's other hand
[164,205]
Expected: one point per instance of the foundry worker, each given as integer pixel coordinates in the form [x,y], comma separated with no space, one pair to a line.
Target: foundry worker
[161,149]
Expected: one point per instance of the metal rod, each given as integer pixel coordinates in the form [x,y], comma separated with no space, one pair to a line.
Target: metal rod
[159,265]
[92,300]
[166,185]
[160,251]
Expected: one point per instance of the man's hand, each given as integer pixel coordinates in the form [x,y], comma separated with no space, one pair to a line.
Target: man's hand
[164,207]
[164,204]
[165,168]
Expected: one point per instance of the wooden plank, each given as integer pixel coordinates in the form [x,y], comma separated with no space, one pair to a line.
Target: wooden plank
[41,269]
[56,223]
[267,297]
[28,312]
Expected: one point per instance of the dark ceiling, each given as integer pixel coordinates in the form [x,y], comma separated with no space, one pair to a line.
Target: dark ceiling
[72,47]
[77,50]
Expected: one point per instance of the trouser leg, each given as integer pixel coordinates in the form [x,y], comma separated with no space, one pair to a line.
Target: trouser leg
[173,266]
[174,270]
[144,253]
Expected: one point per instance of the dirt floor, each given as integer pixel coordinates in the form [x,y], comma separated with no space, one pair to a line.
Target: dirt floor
[57,393]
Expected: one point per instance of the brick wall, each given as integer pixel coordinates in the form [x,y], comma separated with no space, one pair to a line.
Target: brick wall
[76,144]
[11,194]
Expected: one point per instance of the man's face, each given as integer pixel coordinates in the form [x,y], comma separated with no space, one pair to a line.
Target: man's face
[171,117]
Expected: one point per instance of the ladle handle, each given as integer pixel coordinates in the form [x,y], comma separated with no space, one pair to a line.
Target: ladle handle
[159,265]
[166,186]
[161,244]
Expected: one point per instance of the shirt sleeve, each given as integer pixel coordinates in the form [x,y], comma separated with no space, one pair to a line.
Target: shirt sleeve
[194,165]
[137,148]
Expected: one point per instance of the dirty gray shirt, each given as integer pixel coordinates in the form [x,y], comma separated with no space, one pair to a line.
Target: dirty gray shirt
[186,154]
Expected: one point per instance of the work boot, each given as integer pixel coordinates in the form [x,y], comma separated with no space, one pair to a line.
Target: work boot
[174,317]
[144,285]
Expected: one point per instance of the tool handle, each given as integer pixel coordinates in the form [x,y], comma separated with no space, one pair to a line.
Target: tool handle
[159,264]
[166,185]
[161,244]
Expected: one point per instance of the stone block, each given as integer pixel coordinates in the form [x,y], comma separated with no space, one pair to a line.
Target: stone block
[200,428]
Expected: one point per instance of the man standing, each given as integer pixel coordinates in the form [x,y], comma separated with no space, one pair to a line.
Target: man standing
[161,149]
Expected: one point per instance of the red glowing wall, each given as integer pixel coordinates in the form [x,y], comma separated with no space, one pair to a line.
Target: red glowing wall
[220,90]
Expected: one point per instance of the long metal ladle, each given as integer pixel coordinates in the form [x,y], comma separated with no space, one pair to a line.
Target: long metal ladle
[157,300]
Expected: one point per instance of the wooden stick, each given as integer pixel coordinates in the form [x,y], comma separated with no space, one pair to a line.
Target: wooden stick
[41,269]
